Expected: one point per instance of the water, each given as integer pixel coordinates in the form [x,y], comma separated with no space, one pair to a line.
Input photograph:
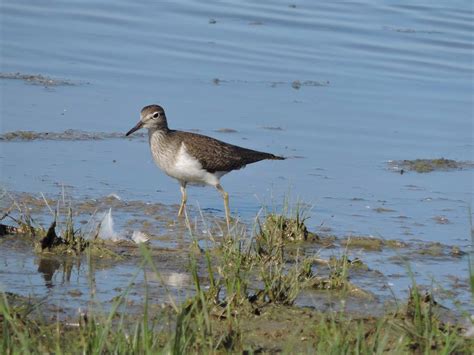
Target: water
[396,83]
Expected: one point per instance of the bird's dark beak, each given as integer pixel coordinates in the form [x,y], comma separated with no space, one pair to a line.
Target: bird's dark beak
[136,128]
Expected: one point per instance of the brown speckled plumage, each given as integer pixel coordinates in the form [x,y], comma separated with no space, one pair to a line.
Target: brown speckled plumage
[215,155]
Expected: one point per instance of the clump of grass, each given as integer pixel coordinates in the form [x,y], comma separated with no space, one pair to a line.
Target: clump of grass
[424,330]
[287,229]
[338,278]
[71,243]
[25,224]
[68,240]
[282,283]
[236,264]
[337,334]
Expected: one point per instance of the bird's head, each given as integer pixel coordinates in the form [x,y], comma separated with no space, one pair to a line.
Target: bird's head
[151,117]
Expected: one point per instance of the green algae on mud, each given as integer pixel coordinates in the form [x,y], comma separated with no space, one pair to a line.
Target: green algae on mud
[67,135]
[372,243]
[37,79]
[429,165]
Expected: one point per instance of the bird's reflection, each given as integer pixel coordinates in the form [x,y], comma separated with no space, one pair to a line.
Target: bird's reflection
[48,267]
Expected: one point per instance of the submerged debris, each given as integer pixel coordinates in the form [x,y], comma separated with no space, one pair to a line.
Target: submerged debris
[226,130]
[140,237]
[429,165]
[295,84]
[298,84]
[272,128]
[6,230]
[51,239]
[441,220]
[107,231]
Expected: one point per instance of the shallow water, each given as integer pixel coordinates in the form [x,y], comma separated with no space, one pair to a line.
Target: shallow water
[397,84]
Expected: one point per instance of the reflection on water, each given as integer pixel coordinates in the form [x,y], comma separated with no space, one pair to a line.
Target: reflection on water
[57,271]
[48,267]
[74,283]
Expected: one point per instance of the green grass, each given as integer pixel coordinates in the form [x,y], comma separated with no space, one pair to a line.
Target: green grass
[243,300]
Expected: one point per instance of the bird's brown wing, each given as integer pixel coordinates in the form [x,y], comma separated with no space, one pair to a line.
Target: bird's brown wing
[215,155]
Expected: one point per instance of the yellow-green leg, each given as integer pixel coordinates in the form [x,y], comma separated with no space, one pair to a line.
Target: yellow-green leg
[225,196]
[184,198]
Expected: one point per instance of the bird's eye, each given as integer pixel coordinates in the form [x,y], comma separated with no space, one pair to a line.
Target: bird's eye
[156,115]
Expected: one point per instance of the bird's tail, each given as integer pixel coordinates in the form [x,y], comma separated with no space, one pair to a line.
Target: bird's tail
[275,157]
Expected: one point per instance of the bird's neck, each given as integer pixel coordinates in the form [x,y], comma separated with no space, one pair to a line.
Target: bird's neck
[157,132]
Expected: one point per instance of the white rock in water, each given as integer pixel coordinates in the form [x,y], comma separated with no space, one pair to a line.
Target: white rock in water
[106,230]
[140,237]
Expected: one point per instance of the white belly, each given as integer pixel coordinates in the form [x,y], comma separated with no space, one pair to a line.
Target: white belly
[186,168]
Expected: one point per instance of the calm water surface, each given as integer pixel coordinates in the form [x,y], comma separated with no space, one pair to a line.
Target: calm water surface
[384,80]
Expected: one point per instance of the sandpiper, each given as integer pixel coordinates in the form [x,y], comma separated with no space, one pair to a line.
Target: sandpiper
[193,158]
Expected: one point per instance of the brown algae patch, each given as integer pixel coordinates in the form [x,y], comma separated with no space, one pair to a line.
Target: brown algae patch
[429,165]
[273,128]
[37,79]
[383,210]
[67,135]
[226,130]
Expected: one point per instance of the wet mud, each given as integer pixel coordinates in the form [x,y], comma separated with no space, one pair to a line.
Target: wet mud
[74,233]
